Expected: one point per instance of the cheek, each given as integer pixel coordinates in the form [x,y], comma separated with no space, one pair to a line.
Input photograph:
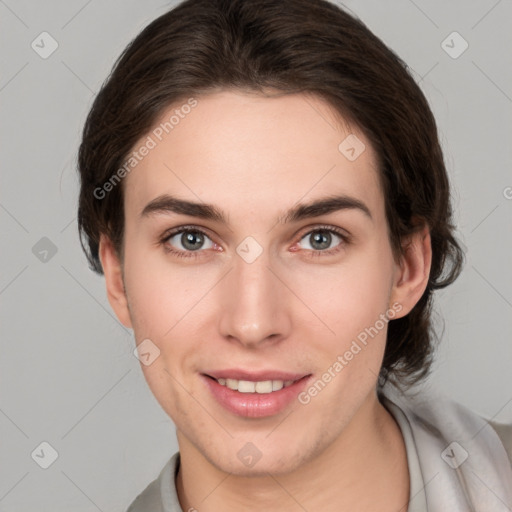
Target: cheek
[350,297]
[161,307]
[159,293]
[167,306]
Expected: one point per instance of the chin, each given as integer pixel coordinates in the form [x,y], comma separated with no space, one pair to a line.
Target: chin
[265,461]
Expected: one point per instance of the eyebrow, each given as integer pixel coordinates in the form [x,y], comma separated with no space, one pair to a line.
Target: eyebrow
[166,204]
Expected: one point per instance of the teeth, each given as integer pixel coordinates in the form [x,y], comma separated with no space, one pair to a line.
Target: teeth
[232,384]
[247,386]
[277,385]
[263,387]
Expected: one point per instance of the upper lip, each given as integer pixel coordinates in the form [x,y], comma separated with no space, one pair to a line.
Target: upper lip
[239,374]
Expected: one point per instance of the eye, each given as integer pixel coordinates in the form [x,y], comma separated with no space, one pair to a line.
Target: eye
[321,238]
[191,241]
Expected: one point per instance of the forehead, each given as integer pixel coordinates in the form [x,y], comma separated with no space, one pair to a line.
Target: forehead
[249,152]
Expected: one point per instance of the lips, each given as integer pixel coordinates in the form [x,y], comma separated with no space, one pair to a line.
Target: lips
[255,394]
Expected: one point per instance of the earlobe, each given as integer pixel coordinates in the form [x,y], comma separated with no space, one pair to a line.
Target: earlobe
[114,281]
[413,273]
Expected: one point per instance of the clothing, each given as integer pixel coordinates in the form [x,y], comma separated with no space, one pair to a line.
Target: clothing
[465,459]
[458,460]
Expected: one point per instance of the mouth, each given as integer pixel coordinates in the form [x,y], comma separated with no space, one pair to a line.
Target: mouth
[252,395]
[247,386]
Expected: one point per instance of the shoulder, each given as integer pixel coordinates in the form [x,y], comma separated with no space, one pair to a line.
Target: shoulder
[148,500]
[429,409]
[160,495]
[504,431]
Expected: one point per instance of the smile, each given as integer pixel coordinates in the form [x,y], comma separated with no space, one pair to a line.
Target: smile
[262,386]
[263,396]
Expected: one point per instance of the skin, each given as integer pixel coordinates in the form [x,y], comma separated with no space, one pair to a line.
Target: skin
[255,157]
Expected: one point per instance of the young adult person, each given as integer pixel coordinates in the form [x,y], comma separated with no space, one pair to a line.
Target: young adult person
[263,188]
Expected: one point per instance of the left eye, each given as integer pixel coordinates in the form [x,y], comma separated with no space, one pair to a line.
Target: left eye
[320,239]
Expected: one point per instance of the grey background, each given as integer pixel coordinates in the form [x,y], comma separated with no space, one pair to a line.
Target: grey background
[68,375]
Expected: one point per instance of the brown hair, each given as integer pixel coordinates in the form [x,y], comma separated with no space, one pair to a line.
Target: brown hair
[292,46]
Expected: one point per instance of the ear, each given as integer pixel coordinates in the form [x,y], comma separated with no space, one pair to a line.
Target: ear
[411,277]
[114,280]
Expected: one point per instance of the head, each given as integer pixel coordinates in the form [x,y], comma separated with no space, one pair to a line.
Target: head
[254,111]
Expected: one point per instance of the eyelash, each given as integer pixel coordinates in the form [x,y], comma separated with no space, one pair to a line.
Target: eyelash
[193,229]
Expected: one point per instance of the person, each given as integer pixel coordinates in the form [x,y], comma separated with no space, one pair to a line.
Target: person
[263,188]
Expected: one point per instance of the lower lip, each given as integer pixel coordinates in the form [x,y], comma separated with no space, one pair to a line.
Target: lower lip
[255,405]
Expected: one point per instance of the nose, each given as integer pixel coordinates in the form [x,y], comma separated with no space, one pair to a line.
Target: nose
[255,303]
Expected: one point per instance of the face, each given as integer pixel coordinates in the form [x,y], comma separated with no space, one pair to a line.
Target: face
[265,294]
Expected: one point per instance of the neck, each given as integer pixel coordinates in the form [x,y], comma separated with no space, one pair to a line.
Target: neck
[364,467]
